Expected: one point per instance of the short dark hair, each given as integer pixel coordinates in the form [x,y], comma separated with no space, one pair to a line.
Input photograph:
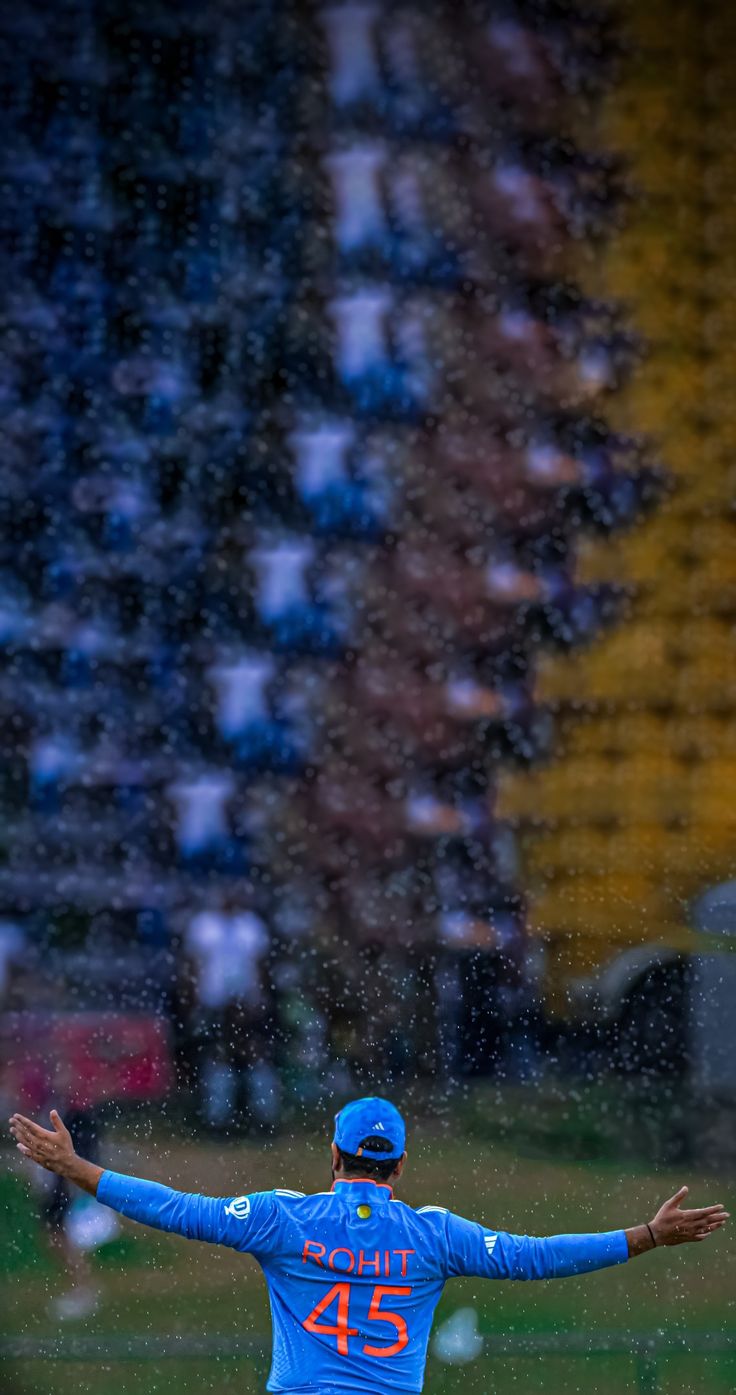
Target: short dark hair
[358,1165]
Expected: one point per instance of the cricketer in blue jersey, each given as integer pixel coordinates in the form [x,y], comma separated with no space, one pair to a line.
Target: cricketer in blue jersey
[353,1274]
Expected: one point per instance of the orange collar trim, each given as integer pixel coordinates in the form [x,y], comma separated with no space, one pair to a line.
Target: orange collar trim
[348,1181]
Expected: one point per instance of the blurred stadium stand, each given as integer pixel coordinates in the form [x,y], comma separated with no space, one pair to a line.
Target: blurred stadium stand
[309,422]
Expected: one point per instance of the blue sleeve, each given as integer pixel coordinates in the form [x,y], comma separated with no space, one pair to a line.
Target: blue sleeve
[472,1249]
[246,1223]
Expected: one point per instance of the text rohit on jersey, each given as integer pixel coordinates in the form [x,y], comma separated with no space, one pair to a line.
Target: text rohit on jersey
[344,1261]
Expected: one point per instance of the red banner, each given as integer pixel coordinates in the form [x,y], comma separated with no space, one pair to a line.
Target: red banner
[83,1059]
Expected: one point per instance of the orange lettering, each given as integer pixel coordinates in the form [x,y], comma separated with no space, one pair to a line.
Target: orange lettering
[340,1330]
[340,1268]
[395,1319]
[374,1264]
[403,1254]
[313,1245]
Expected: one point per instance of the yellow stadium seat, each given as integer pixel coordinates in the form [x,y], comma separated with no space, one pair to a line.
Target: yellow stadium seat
[614,907]
[638,813]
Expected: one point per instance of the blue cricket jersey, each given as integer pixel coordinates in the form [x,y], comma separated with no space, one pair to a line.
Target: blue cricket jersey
[354,1275]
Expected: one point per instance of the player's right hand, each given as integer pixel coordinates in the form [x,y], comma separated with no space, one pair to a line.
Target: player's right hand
[674,1226]
[51,1148]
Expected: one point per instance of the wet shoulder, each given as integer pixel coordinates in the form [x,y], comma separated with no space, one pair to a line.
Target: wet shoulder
[288,1201]
[429,1219]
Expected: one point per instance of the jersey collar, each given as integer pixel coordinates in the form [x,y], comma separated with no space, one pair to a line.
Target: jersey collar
[361,1182]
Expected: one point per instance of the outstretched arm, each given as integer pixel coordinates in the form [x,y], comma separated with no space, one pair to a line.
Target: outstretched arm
[472,1249]
[221,1220]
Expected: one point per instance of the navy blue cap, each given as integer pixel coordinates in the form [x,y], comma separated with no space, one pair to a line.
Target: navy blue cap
[370,1118]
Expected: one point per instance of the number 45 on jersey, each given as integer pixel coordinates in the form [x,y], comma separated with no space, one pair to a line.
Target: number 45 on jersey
[341,1329]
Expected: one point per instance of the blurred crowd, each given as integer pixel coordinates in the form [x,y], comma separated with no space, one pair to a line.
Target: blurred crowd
[302,409]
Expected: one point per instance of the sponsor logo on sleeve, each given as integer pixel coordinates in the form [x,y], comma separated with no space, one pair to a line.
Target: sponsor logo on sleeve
[239,1207]
[490,1243]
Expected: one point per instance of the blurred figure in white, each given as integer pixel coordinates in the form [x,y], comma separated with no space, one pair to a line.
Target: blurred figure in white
[354,74]
[240,682]
[202,825]
[76,1224]
[355,173]
[227,948]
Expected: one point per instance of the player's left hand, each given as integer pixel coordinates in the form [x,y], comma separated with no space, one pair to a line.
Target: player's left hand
[673,1225]
[51,1148]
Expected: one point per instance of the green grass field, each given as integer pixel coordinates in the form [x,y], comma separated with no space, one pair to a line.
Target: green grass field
[154,1284]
